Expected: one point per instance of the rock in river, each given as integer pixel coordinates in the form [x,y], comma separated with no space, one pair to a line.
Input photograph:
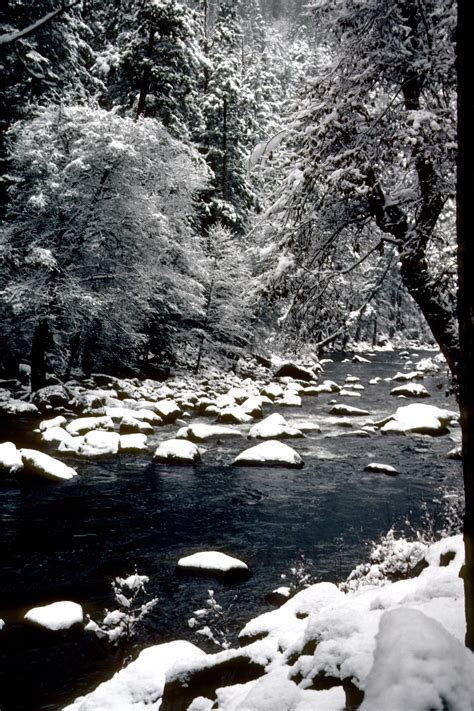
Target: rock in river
[177,451]
[57,616]
[271,454]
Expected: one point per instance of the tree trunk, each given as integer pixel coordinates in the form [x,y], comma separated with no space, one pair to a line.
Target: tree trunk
[73,353]
[225,158]
[145,82]
[465,233]
[39,346]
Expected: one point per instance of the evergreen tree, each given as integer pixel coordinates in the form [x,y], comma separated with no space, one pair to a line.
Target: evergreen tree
[153,62]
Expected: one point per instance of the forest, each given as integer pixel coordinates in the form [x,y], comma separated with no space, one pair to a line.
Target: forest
[244,218]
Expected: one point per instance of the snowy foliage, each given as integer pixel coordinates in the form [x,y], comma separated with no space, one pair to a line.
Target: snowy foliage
[133,606]
[92,220]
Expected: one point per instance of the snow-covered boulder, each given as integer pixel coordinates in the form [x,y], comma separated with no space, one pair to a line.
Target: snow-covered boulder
[307,427]
[271,454]
[212,562]
[253,406]
[177,451]
[290,399]
[406,377]
[130,425]
[272,391]
[99,443]
[418,665]
[10,458]
[348,410]
[56,435]
[360,359]
[44,466]
[148,416]
[411,390]
[86,424]
[420,419]
[234,415]
[379,468]
[139,685]
[327,386]
[133,443]
[273,427]
[168,410]
[56,616]
[58,421]
[201,432]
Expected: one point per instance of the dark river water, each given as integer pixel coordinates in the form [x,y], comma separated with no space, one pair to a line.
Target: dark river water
[68,541]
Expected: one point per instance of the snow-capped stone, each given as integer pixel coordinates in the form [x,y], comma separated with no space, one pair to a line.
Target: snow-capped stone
[99,443]
[360,359]
[455,452]
[212,561]
[234,415]
[348,410]
[290,399]
[375,381]
[177,451]
[327,386]
[139,685]
[56,616]
[273,427]
[421,419]
[86,424]
[45,466]
[272,391]
[148,416]
[238,394]
[292,370]
[307,426]
[406,377]
[130,425]
[55,435]
[253,406]
[133,443]
[168,410]
[352,379]
[378,468]
[270,453]
[10,458]
[203,432]
[411,390]
[348,392]
[58,421]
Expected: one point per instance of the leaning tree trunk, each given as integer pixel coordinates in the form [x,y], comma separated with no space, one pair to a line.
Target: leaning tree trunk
[39,347]
[465,235]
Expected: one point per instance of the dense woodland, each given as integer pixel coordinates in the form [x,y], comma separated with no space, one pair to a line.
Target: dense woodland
[185,181]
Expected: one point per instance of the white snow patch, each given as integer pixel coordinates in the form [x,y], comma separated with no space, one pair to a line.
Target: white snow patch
[140,685]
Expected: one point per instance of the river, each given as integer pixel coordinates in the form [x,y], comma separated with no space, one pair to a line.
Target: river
[68,541]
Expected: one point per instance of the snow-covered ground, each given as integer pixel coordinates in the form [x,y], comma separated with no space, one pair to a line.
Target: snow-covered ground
[396,646]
